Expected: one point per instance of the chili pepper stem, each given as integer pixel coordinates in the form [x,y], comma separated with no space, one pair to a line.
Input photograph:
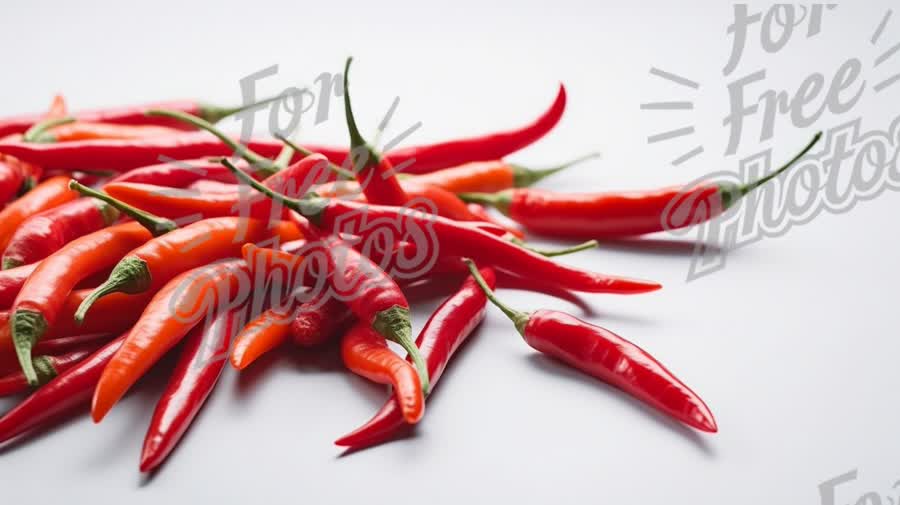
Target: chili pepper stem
[27,327]
[500,200]
[44,368]
[310,206]
[215,113]
[394,324]
[131,275]
[520,319]
[358,144]
[155,224]
[35,133]
[10,263]
[584,246]
[263,165]
[524,177]
[306,152]
[732,193]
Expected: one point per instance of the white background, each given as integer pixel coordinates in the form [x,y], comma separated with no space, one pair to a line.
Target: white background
[793,344]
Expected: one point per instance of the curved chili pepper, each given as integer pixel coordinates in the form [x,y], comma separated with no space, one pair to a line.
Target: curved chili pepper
[455,239]
[268,331]
[491,176]
[622,214]
[122,155]
[181,174]
[153,264]
[601,353]
[133,115]
[446,330]
[196,374]
[47,368]
[46,195]
[43,234]
[44,293]
[374,173]
[84,130]
[67,392]
[11,282]
[366,353]
[159,329]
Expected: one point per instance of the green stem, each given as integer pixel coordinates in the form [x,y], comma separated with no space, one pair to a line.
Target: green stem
[261,163]
[35,133]
[155,224]
[27,328]
[500,201]
[520,319]
[584,246]
[357,142]
[523,176]
[131,275]
[394,324]
[731,194]
[306,152]
[215,113]
[311,206]
[284,156]
[44,369]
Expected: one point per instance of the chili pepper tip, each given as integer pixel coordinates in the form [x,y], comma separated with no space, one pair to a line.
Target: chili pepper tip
[524,177]
[27,328]
[394,324]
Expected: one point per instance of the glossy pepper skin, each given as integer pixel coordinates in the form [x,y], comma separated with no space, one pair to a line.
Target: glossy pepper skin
[622,214]
[46,195]
[121,155]
[66,393]
[455,239]
[48,367]
[366,353]
[198,370]
[154,263]
[41,235]
[127,115]
[11,282]
[319,321]
[159,329]
[44,293]
[181,174]
[86,130]
[11,178]
[261,335]
[446,330]
[602,354]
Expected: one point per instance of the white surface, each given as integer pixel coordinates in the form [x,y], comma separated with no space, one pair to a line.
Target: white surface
[793,345]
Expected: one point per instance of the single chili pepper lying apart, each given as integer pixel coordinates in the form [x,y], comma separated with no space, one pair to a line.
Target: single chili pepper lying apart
[454,239]
[366,354]
[46,195]
[131,115]
[69,129]
[196,374]
[169,316]
[45,292]
[41,235]
[47,368]
[608,357]
[613,215]
[68,391]
[446,330]
[121,155]
[156,262]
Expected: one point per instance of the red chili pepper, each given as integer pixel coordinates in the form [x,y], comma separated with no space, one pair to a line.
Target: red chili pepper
[11,282]
[481,213]
[61,396]
[44,294]
[608,357]
[319,321]
[43,234]
[122,155]
[454,239]
[47,195]
[83,130]
[132,115]
[9,363]
[181,174]
[196,374]
[170,315]
[618,214]
[447,329]
[47,368]
[366,353]
[11,178]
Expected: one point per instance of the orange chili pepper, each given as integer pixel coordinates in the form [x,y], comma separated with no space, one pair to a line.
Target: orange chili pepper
[366,353]
[490,176]
[44,293]
[266,332]
[149,267]
[191,295]
[46,195]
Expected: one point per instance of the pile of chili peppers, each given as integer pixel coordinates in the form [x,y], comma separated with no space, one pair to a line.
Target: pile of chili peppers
[129,233]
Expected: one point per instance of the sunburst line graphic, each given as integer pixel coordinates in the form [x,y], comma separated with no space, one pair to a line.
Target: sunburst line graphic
[885,56]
